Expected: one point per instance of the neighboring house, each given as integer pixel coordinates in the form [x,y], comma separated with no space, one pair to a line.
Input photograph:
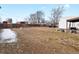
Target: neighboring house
[7,23]
[67,22]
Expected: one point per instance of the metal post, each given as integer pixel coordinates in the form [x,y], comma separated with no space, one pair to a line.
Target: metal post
[66,26]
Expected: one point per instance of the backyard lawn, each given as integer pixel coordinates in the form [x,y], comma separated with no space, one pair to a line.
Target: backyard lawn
[42,40]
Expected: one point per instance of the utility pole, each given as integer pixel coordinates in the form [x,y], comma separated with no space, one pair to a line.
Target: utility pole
[0,26]
[0,18]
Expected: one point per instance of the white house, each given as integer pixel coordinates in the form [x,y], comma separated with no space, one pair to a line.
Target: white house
[67,22]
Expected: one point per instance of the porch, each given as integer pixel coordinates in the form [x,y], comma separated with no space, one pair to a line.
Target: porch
[70,25]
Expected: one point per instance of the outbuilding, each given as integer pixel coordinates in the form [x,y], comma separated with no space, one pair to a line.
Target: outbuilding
[69,23]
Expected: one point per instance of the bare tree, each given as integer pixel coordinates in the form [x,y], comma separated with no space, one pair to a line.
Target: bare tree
[43,20]
[9,20]
[37,18]
[26,20]
[56,14]
[33,18]
[40,16]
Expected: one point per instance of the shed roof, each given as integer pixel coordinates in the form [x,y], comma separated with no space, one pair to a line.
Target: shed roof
[75,19]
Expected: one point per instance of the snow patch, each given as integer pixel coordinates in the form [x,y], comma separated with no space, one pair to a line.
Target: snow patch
[7,36]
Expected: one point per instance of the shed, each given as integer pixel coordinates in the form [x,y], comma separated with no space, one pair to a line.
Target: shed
[67,22]
[73,22]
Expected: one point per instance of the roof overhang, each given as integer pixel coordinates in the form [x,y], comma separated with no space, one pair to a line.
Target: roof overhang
[76,19]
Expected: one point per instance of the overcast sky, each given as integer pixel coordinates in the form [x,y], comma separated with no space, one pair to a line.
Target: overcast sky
[20,11]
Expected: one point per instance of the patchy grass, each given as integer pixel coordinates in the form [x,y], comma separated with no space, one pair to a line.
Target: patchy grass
[42,40]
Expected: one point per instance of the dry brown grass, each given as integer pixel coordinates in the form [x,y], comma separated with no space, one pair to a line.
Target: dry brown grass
[42,40]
